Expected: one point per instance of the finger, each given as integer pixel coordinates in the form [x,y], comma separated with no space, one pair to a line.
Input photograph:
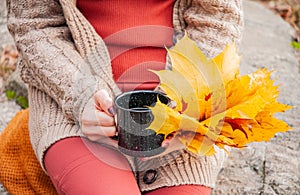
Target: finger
[89,117]
[168,139]
[104,140]
[103,100]
[166,143]
[96,117]
[170,145]
[90,131]
[103,119]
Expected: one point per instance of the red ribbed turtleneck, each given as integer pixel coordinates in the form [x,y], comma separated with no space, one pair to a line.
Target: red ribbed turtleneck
[136,33]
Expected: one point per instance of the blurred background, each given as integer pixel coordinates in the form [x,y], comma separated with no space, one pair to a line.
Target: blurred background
[289,10]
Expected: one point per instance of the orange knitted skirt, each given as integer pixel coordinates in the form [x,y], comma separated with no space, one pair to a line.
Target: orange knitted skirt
[20,171]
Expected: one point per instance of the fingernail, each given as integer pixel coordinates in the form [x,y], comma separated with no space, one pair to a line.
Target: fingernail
[165,144]
[112,110]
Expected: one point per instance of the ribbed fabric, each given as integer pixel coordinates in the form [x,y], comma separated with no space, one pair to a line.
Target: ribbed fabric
[130,31]
[181,190]
[45,112]
[182,167]
[64,61]
[109,17]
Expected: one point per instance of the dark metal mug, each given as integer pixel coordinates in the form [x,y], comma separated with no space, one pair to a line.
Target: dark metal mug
[133,120]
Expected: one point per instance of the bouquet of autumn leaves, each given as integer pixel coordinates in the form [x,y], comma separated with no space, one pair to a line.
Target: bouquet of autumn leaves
[215,106]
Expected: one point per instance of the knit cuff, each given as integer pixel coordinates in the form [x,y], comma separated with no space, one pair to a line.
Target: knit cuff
[182,168]
[83,92]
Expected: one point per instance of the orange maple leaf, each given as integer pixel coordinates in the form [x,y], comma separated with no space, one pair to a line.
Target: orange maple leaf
[221,107]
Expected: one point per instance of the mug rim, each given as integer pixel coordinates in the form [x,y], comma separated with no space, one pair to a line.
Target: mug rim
[134,92]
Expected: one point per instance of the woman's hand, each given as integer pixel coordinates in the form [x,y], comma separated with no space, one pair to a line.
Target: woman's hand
[171,144]
[98,122]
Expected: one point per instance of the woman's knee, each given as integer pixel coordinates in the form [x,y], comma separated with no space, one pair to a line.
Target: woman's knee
[77,166]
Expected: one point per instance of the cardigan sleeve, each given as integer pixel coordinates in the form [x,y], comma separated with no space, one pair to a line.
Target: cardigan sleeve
[214,23]
[49,59]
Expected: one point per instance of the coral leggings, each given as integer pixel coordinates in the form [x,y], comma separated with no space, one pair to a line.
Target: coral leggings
[74,169]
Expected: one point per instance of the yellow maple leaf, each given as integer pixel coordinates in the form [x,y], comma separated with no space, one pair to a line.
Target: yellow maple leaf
[214,103]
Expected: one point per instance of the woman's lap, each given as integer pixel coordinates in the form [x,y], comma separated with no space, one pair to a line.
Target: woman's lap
[74,168]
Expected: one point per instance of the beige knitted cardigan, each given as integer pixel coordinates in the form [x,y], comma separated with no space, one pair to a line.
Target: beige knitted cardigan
[64,61]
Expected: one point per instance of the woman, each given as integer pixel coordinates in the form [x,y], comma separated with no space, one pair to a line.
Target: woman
[73,76]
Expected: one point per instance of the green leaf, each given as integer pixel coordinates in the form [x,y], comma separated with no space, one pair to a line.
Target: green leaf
[22,101]
[11,94]
[295,45]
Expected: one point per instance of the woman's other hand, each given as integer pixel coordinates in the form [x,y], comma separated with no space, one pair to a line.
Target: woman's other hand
[171,144]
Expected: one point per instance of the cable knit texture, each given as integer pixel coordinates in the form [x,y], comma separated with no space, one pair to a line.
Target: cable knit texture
[64,61]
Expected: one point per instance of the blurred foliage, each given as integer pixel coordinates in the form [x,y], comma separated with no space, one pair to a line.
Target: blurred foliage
[8,59]
[296,45]
[10,94]
[20,100]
